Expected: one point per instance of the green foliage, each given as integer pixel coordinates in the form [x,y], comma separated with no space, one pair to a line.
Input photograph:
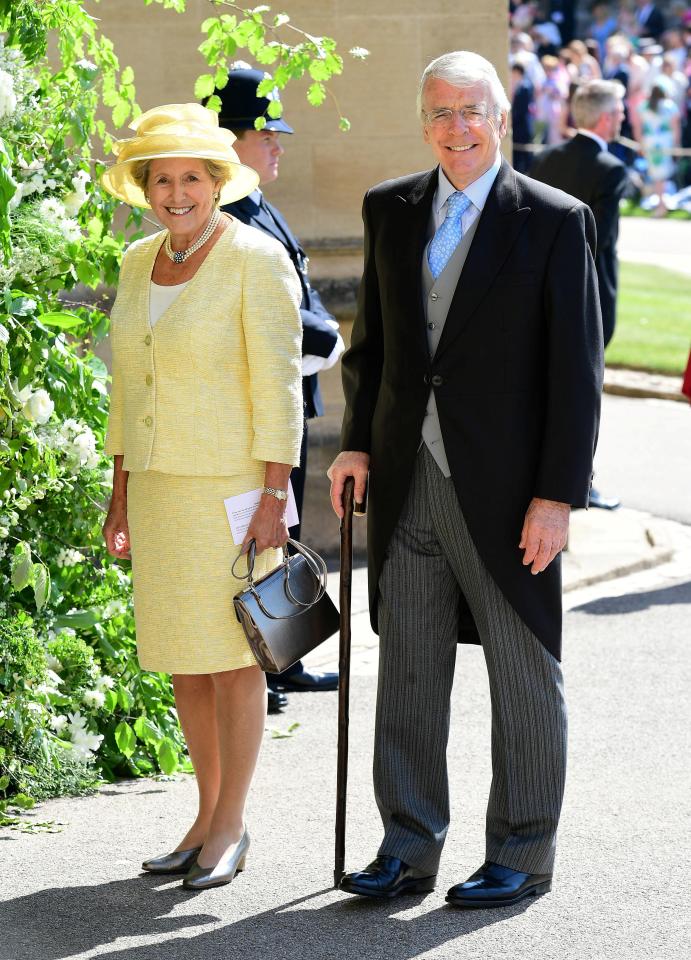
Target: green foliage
[263,35]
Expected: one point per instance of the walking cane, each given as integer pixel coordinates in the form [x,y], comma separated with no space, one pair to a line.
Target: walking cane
[344,675]
[344,670]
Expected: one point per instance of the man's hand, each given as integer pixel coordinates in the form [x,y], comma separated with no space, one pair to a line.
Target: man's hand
[349,463]
[545,529]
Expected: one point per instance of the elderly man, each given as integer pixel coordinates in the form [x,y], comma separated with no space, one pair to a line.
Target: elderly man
[472,398]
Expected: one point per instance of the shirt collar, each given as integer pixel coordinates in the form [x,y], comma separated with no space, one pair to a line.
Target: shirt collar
[477,191]
[594,136]
[256,195]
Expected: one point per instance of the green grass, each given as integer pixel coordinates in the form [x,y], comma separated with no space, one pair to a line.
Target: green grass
[653,330]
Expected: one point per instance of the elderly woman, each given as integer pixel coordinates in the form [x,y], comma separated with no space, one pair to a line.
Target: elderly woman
[206,404]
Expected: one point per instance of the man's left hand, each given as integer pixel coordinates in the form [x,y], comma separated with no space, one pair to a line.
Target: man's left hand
[545,529]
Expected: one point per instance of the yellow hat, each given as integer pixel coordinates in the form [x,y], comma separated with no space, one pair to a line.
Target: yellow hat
[177,130]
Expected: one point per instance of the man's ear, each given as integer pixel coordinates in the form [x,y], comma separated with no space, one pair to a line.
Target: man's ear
[425,133]
[504,123]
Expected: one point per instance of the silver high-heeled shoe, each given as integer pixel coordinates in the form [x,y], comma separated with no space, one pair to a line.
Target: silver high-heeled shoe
[232,861]
[179,861]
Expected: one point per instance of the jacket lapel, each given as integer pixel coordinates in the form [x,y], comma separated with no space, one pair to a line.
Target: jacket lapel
[415,205]
[500,223]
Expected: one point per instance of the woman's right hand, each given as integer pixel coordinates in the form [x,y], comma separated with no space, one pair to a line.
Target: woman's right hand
[116,532]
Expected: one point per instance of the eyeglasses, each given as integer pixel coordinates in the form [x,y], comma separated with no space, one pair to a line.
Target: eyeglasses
[472,116]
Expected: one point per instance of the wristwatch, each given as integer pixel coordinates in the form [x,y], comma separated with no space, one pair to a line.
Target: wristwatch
[274,492]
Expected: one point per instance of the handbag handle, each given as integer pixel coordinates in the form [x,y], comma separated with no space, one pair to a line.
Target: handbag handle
[314,561]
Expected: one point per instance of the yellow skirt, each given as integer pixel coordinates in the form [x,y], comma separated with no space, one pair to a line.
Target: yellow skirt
[182,554]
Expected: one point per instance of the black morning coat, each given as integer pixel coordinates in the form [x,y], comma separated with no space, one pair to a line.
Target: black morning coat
[517,373]
[318,338]
[595,176]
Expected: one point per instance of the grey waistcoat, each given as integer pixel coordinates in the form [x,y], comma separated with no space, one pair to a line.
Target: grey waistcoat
[437,296]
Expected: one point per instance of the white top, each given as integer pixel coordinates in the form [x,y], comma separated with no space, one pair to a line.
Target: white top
[160,298]
[477,192]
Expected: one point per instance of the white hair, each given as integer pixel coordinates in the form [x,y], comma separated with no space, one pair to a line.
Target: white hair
[464,69]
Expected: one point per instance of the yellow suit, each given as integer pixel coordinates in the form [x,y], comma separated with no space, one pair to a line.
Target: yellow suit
[218,383]
[199,403]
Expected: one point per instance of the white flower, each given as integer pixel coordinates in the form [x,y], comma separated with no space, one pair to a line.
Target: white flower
[85,744]
[94,698]
[17,198]
[74,200]
[105,683]
[58,723]
[4,334]
[38,406]
[8,98]
[71,231]
[51,209]
[54,678]
[86,64]
[69,558]
[53,663]
[360,53]
[82,449]
[113,609]
[3,550]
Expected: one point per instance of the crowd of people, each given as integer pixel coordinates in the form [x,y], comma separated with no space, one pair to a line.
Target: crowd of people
[642,47]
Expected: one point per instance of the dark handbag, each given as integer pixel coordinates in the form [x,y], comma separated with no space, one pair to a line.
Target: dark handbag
[288,612]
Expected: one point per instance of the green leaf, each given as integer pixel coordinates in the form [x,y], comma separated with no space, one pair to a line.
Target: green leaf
[275,109]
[22,567]
[316,94]
[344,124]
[125,698]
[22,801]
[63,321]
[204,86]
[80,618]
[147,731]
[167,754]
[221,78]
[127,76]
[319,70]
[214,103]
[121,112]
[260,123]
[111,701]
[41,585]
[125,738]
[4,782]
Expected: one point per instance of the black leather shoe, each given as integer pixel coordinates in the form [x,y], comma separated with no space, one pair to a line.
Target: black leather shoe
[596,499]
[387,877]
[277,701]
[302,680]
[496,886]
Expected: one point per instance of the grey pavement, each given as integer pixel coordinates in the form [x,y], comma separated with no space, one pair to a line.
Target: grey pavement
[662,243]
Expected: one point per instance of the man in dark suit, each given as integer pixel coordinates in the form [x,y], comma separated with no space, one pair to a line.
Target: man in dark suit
[584,168]
[321,343]
[522,125]
[472,391]
[650,20]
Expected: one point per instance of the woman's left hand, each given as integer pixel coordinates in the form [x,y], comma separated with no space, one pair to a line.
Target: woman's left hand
[268,525]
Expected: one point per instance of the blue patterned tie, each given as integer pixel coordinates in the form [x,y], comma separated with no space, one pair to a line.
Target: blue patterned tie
[449,234]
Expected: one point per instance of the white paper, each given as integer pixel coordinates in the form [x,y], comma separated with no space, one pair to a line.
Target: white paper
[240,510]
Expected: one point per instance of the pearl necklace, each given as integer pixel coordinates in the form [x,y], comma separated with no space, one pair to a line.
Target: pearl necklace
[179,256]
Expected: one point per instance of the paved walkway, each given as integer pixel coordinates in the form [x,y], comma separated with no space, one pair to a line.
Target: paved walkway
[663,243]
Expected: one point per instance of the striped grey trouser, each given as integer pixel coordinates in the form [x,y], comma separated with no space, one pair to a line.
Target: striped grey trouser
[431,559]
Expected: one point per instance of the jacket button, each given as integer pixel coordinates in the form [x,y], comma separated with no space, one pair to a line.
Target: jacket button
[431,326]
[437,380]
[425,379]
[434,296]
[149,379]
[147,339]
[148,421]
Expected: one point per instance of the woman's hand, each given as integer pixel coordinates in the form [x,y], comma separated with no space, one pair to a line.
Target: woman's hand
[116,532]
[268,526]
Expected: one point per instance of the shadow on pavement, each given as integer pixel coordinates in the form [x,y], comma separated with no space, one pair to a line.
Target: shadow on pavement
[680,593]
[58,923]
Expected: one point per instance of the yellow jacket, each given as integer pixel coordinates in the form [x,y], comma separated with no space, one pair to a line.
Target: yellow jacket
[216,383]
